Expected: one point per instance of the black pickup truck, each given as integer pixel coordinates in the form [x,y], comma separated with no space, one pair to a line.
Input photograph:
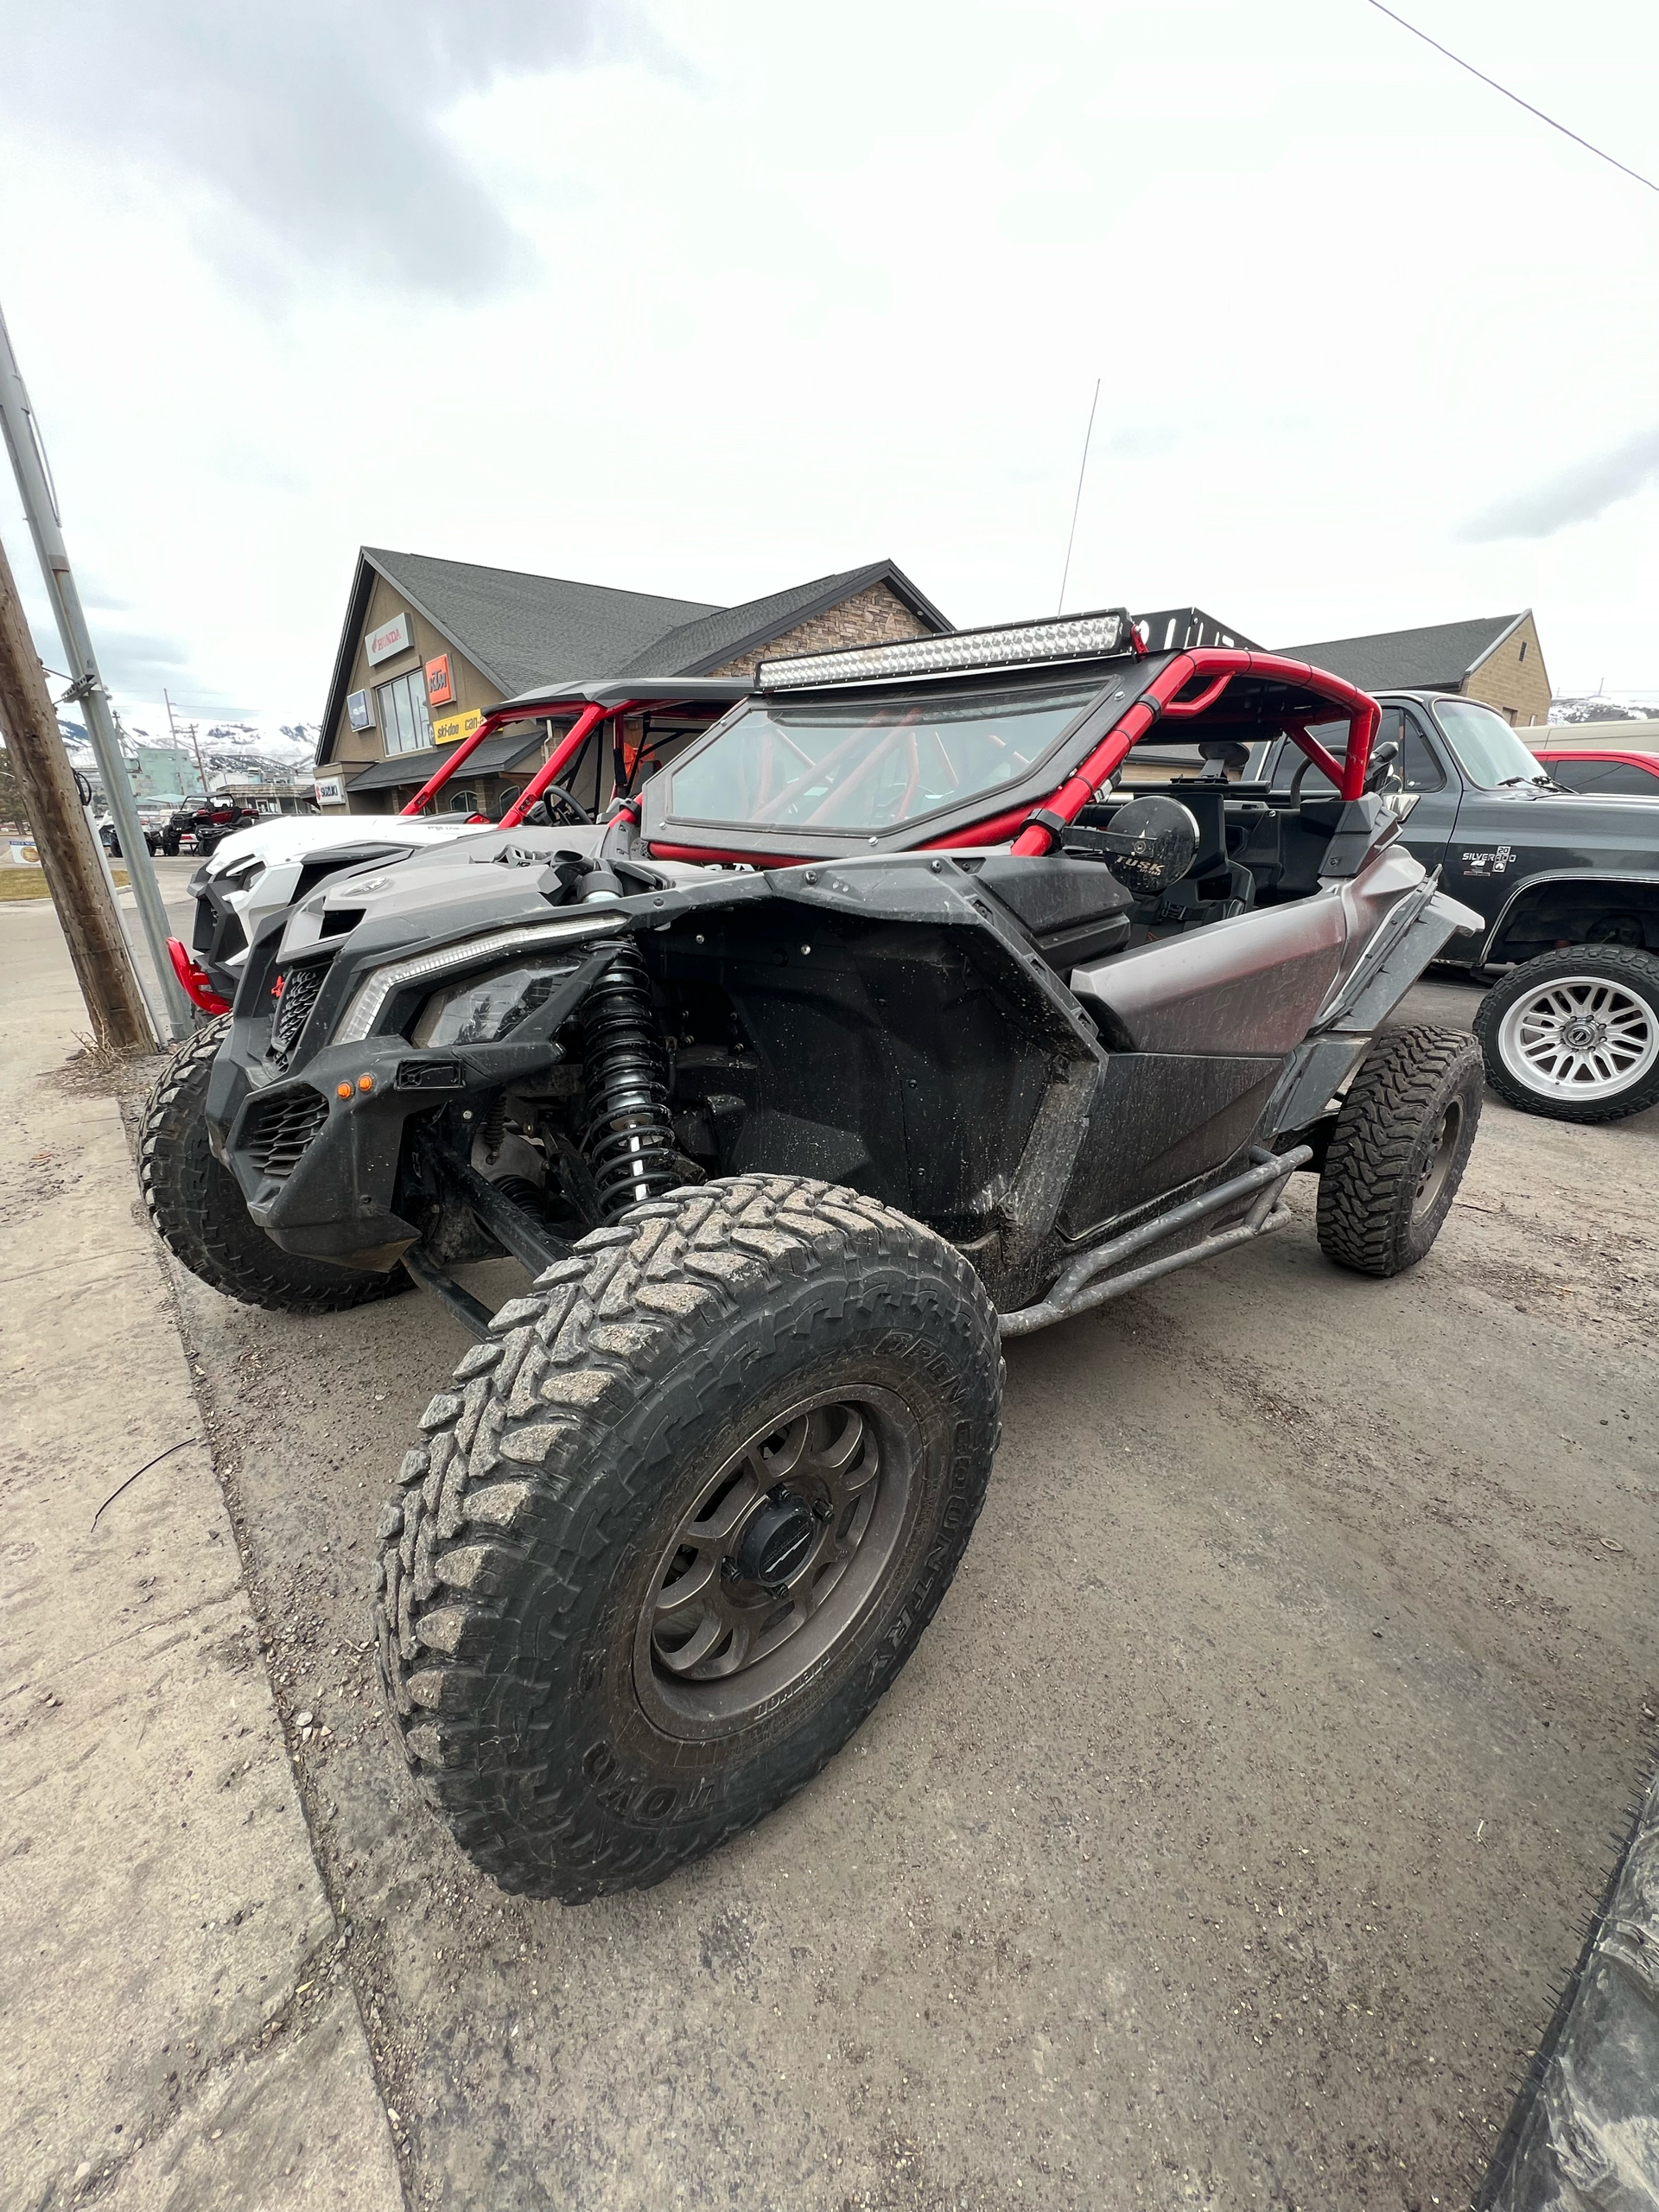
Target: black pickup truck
[1568,885]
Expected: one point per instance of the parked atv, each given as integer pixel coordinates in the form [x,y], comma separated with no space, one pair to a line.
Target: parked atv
[202,827]
[881,1027]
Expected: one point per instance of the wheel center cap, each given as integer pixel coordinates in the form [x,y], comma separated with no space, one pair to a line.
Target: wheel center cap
[1581,1036]
[776,1539]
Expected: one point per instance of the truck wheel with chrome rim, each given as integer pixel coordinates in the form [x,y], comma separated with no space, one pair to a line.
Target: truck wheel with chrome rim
[679,1522]
[1574,1034]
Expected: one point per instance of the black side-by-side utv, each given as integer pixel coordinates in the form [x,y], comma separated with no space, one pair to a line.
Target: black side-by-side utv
[882,1025]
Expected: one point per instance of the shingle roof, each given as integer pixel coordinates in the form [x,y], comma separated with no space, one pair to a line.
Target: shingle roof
[725,633]
[518,628]
[1435,659]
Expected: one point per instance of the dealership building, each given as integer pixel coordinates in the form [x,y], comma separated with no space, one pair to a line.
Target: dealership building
[428,647]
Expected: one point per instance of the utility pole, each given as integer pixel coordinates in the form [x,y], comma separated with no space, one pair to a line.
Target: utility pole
[201,772]
[40,503]
[74,875]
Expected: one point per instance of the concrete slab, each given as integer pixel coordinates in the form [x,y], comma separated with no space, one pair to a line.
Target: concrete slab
[177,2028]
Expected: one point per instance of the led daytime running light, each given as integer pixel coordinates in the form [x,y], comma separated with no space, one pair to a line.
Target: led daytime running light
[1071,637]
[370,999]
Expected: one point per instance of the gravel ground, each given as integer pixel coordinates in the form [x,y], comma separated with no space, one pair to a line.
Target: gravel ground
[1224,1844]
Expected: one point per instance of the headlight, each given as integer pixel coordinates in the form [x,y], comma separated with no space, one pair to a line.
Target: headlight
[369,1001]
[486,1007]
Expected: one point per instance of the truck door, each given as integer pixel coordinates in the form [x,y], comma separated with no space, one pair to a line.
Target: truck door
[1428,784]
[1423,781]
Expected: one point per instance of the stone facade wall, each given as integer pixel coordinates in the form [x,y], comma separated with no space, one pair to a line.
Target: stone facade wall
[1514,679]
[874,616]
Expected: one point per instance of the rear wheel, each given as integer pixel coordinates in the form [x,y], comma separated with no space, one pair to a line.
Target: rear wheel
[1397,1153]
[761,1416]
[1574,1034]
[198,1208]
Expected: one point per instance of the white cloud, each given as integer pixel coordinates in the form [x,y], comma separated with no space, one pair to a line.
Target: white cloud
[314,128]
[1578,493]
[714,296]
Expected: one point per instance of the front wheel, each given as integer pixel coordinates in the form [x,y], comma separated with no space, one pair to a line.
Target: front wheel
[198,1212]
[1397,1153]
[1574,1034]
[679,1523]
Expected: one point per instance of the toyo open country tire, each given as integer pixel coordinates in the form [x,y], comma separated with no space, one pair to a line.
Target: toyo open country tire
[199,1211]
[1397,1153]
[1574,1034]
[679,1523]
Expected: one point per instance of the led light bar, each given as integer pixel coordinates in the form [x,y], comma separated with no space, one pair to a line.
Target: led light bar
[378,986]
[1006,645]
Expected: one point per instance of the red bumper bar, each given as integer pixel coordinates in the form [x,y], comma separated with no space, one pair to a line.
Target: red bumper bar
[194,978]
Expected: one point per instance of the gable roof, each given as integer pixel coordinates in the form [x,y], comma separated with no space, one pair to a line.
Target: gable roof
[514,626]
[1435,659]
[729,632]
[520,630]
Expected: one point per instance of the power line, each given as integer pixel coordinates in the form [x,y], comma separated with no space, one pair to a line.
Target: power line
[1508,95]
[1076,503]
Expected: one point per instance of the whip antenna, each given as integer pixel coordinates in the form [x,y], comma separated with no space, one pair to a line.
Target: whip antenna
[1076,503]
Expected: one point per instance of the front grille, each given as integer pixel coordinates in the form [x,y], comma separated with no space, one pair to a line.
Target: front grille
[298,996]
[280,1129]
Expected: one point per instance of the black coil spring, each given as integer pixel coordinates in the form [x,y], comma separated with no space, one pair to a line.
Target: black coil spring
[627,1138]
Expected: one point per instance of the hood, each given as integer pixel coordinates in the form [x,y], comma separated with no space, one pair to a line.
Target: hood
[288,837]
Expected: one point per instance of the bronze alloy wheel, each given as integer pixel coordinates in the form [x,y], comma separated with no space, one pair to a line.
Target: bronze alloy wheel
[679,1522]
[1443,1155]
[776,1560]
[1398,1151]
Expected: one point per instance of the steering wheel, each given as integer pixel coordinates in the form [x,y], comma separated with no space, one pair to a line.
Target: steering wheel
[556,796]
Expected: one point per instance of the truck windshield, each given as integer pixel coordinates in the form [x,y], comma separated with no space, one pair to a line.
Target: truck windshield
[1492,754]
[864,764]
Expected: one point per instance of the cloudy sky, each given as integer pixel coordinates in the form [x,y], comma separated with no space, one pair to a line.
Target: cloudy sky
[707,296]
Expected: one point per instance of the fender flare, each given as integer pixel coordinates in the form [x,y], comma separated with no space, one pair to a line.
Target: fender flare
[1494,936]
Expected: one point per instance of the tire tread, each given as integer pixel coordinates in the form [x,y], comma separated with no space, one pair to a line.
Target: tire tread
[1362,1224]
[197,1209]
[1620,963]
[509,1448]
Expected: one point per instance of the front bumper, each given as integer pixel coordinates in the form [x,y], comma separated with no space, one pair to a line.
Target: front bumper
[317,1155]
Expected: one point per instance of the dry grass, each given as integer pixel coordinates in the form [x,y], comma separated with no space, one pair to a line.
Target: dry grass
[98,1067]
[26,882]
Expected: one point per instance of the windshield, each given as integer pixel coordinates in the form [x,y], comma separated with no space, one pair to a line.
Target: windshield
[870,765]
[1490,752]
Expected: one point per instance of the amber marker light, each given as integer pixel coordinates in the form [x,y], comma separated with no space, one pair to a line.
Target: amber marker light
[366,1082]
[342,1090]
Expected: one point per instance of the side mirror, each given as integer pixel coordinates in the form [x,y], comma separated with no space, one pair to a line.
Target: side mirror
[1383,758]
[1151,844]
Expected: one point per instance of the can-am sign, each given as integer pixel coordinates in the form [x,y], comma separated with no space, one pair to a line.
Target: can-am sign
[394,636]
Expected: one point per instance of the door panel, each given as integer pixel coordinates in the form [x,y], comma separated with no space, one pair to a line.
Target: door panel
[1159,1121]
[1249,985]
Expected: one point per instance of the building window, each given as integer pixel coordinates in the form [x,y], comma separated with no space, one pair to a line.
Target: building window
[460,802]
[1523,649]
[401,706]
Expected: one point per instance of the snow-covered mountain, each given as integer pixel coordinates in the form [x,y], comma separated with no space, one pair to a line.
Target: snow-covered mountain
[1600,709]
[228,753]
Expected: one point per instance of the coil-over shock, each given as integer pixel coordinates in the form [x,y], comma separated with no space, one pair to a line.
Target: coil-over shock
[627,1139]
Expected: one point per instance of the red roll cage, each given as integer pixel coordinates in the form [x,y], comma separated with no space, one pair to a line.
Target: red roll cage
[1171,696]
